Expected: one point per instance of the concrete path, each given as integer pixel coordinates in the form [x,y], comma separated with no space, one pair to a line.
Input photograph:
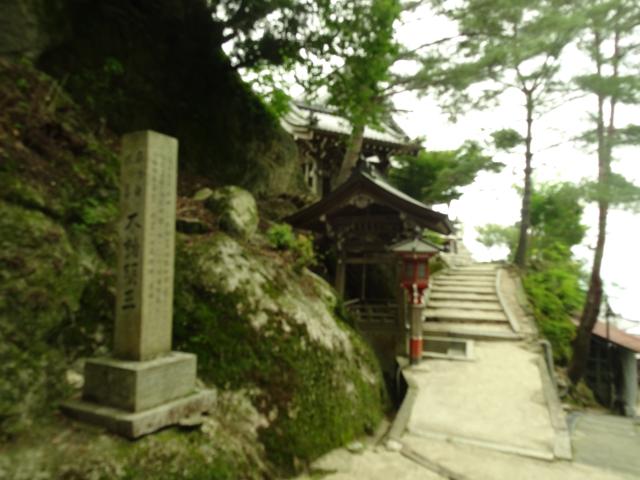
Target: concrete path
[375,463]
[606,441]
[496,400]
[495,416]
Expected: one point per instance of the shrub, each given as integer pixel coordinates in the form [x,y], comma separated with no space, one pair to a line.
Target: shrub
[553,285]
[282,237]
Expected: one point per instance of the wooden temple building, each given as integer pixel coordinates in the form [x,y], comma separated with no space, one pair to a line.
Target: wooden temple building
[321,135]
[354,227]
[612,367]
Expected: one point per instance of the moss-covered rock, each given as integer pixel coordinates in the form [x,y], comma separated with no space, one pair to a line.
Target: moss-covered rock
[226,447]
[235,208]
[257,324]
[57,199]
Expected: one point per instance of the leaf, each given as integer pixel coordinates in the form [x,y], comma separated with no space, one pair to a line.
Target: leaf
[618,191]
[506,139]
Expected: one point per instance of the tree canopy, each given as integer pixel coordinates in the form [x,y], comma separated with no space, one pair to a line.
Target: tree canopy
[436,176]
[502,45]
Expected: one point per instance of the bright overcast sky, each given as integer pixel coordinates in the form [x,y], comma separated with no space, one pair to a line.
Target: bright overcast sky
[492,199]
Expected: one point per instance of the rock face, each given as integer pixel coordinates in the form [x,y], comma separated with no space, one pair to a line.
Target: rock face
[262,329]
[236,209]
[180,84]
[29,27]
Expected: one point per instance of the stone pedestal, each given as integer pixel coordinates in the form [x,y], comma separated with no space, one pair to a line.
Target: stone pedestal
[145,386]
[135,398]
[136,424]
[137,386]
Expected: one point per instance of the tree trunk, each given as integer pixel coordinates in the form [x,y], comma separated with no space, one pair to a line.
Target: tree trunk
[351,155]
[525,212]
[589,317]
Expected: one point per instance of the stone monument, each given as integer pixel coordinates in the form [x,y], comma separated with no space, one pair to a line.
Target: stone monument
[145,386]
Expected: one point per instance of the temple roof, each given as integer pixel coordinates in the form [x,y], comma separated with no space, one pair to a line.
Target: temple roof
[304,121]
[368,185]
[615,335]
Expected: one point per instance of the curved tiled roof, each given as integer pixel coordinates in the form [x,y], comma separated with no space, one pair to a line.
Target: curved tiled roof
[359,182]
[302,120]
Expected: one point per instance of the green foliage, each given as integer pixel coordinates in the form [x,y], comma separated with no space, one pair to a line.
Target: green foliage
[618,192]
[282,237]
[555,289]
[341,47]
[436,264]
[102,84]
[503,45]
[435,177]
[581,396]
[556,214]
[278,102]
[96,212]
[369,50]
[507,138]
[499,235]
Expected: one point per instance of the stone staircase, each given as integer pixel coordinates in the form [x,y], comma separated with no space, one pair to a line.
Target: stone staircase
[463,302]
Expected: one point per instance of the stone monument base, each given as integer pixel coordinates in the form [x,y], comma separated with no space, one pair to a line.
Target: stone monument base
[135,398]
[137,386]
[136,424]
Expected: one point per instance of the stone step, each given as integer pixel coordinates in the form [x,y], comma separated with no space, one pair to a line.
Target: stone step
[465,316]
[480,267]
[464,296]
[472,274]
[465,305]
[465,278]
[447,282]
[474,332]
[464,289]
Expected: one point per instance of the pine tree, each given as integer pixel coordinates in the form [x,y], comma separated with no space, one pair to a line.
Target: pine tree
[611,41]
[503,45]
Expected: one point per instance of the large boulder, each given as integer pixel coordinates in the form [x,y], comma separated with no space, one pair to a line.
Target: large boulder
[236,209]
[259,324]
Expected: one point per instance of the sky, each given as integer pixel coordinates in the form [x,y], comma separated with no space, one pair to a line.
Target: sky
[492,198]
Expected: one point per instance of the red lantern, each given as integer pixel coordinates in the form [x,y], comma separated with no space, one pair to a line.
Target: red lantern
[415,256]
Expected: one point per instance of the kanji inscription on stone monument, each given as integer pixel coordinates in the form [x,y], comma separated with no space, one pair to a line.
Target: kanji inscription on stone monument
[144,386]
[147,239]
